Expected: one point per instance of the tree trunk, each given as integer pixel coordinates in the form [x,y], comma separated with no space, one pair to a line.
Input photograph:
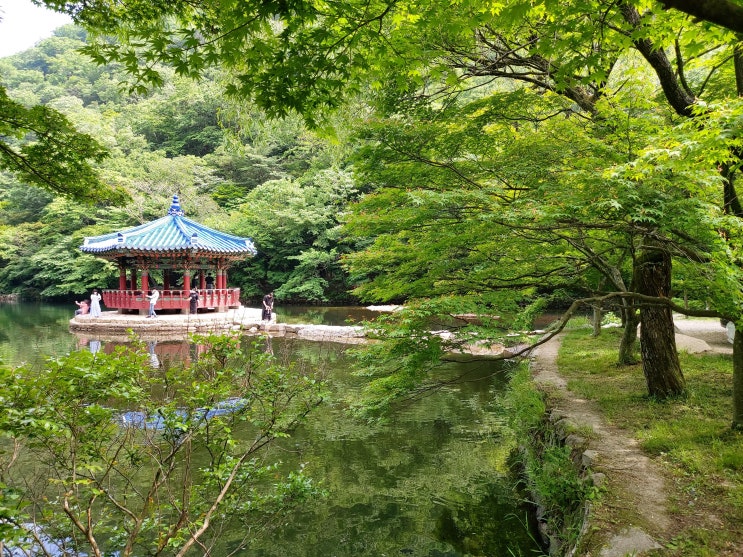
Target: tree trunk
[677,95]
[720,12]
[627,348]
[738,377]
[596,320]
[732,206]
[660,362]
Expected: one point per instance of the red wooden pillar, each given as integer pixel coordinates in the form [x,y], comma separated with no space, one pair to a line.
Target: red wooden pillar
[122,278]
[202,279]
[145,281]
[186,286]
[218,291]
[166,279]
[134,284]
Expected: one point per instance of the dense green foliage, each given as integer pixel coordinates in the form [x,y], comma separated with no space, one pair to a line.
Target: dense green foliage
[141,460]
[234,170]
[512,155]
[548,163]
[472,193]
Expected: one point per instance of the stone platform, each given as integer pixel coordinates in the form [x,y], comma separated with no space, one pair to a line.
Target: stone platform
[113,325]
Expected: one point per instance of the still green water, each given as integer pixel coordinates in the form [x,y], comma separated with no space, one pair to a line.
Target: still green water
[30,333]
[430,481]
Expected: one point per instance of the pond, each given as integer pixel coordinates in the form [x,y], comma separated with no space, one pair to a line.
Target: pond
[430,481]
[323,315]
[31,332]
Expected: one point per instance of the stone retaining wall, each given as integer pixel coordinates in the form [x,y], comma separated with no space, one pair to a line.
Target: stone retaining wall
[247,320]
[243,319]
[582,458]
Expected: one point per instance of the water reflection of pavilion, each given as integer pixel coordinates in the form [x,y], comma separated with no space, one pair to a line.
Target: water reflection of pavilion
[172,253]
[162,351]
[178,344]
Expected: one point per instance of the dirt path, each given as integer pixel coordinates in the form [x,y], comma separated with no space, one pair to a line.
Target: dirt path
[637,483]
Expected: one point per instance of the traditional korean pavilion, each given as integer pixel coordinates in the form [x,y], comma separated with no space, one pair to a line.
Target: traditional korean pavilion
[171,253]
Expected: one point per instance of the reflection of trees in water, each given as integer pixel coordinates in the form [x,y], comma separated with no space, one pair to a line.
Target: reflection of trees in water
[31,332]
[181,442]
[164,353]
[384,489]
[422,481]
[323,315]
[430,480]
[461,516]
[29,316]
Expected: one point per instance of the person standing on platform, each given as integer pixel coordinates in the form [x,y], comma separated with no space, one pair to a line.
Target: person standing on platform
[193,301]
[153,298]
[209,282]
[267,307]
[95,303]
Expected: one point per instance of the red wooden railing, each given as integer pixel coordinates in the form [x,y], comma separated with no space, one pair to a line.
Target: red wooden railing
[171,299]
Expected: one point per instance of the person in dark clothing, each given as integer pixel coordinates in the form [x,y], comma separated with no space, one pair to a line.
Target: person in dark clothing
[267,307]
[193,301]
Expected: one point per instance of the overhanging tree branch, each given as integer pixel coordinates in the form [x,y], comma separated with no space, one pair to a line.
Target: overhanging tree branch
[724,13]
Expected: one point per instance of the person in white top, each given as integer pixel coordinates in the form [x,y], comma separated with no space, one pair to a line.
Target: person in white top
[95,303]
[153,297]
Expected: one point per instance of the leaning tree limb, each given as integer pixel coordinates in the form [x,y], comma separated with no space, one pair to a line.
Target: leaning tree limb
[724,13]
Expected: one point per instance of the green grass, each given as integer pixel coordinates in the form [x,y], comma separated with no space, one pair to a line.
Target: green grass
[548,471]
[690,435]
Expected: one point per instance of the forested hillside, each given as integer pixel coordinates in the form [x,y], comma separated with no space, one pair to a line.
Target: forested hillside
[234,170]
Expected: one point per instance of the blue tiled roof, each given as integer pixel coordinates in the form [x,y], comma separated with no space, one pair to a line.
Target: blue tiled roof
[173,232]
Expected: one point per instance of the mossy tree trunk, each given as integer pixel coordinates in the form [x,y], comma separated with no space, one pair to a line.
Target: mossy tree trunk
[597,316]
[628,345]
[660,363]
[738,377]
[732,206]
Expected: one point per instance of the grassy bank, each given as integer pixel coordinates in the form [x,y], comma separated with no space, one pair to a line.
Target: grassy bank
[550,479]
[690,437]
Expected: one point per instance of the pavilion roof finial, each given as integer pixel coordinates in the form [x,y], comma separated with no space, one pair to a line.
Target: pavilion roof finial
[175,208]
